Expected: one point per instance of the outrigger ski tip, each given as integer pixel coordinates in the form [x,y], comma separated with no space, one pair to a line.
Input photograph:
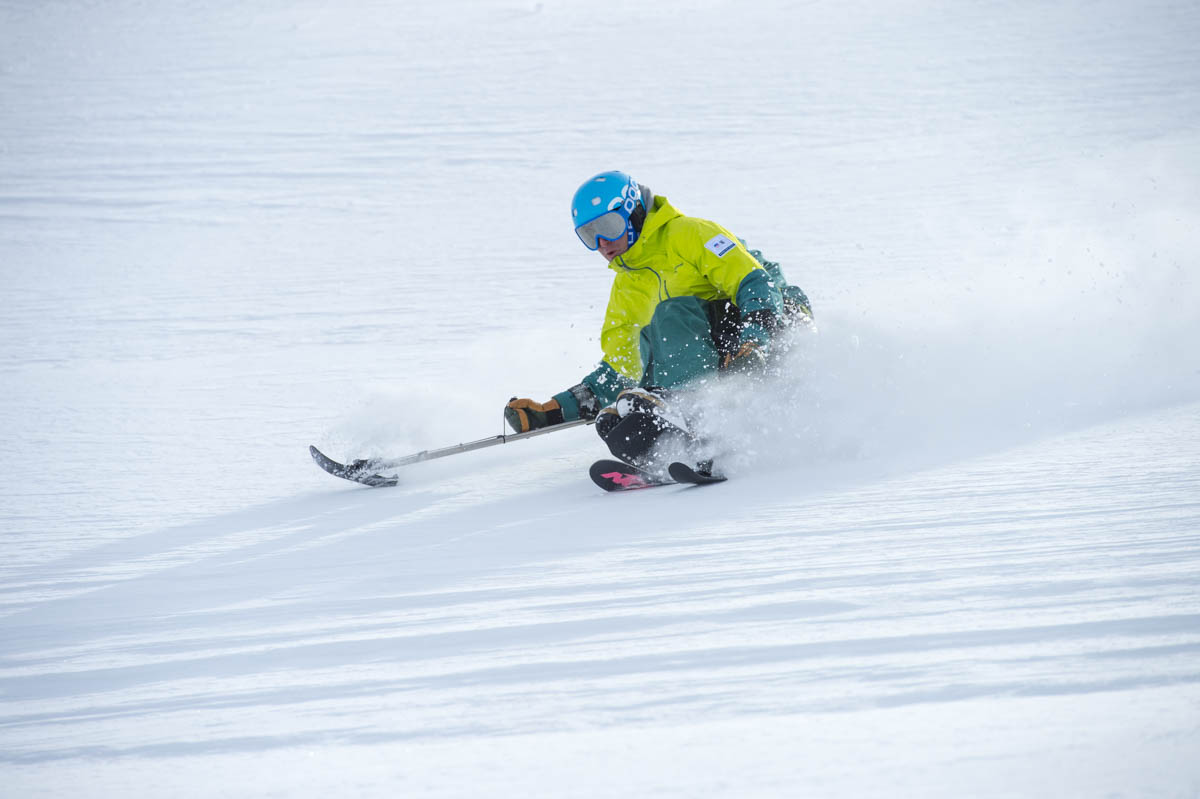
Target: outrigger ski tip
[358,472]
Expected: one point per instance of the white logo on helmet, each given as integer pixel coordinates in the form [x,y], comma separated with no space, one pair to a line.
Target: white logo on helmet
[628,199]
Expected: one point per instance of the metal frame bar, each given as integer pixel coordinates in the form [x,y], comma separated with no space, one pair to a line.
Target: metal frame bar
[431,454]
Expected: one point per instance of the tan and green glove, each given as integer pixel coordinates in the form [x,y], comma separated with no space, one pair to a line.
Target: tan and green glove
[524,415]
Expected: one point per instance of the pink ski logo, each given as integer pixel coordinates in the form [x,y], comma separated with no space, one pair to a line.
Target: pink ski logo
[625,480]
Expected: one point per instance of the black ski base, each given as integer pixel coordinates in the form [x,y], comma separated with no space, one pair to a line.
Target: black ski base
[704,475]
[359,472]
[617,476]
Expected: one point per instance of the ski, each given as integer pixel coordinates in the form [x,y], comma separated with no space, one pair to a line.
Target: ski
[618,476]
[360,471]
[700,475]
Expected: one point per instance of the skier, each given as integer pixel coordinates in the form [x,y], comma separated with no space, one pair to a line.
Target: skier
[689,300]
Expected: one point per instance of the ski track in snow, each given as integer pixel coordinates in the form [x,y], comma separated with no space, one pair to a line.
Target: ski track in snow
[960,551]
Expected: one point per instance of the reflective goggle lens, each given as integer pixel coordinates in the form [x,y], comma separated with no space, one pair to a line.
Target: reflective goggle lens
[610,227]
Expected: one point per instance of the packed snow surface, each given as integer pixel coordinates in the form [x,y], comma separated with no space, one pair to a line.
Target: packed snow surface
[960,552]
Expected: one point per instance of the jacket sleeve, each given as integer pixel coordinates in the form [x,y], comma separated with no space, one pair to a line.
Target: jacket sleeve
[795,301]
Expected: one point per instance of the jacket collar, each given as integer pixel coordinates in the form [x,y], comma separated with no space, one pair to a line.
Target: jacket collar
[660,214]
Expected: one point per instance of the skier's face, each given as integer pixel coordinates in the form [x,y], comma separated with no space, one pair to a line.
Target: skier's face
[611,249]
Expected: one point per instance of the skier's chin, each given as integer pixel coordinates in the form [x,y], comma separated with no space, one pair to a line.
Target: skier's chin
[610,252]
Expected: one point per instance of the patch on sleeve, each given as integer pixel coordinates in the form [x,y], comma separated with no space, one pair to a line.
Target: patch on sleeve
[720,245]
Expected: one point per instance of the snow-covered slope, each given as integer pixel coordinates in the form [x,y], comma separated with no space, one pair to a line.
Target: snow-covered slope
[961,549]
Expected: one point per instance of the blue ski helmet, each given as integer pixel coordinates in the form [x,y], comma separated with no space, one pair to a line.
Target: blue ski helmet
[608,206]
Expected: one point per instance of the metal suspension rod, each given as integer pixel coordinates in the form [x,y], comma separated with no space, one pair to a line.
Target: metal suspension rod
[431,454]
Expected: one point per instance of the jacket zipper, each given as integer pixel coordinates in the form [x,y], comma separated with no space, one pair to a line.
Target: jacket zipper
[662,285]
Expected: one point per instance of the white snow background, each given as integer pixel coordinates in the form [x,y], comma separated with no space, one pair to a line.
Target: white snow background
[960,552]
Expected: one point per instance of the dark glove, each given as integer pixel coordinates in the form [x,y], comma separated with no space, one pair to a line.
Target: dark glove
[796,310]
[524,415]
[751,354]
[750,357]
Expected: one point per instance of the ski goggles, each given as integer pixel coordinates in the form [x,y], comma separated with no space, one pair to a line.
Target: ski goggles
[610,227]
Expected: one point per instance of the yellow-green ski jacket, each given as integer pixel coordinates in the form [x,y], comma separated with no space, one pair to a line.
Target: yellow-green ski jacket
[657,329]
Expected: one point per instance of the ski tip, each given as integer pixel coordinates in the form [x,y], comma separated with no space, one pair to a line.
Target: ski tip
[683,473]
[354,472]
[322,460]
